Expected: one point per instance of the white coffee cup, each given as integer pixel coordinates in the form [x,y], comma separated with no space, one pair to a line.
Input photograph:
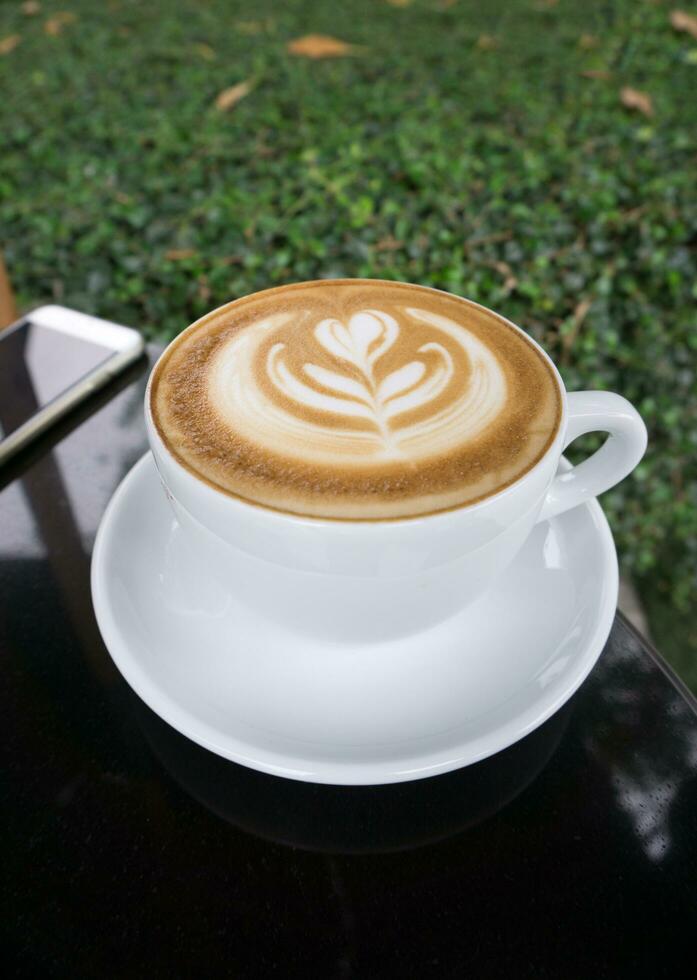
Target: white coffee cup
[353,580]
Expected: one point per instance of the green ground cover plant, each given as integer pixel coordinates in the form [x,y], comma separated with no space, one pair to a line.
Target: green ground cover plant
[538,157]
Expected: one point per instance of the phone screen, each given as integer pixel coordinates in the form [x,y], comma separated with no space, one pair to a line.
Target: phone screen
[37,365]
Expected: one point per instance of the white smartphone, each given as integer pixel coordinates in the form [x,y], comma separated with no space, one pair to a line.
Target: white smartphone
[50,361]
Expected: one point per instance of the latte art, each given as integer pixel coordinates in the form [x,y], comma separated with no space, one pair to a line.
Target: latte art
[355,399]
[451,389]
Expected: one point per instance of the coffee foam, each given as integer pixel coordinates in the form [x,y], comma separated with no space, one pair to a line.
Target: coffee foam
[355,399]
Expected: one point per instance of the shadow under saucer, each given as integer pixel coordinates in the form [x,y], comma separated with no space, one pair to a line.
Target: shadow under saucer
[352,819]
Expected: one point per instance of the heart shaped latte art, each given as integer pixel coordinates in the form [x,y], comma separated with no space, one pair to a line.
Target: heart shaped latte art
[373,388]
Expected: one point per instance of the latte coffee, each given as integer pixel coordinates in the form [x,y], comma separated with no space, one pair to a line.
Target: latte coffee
[355,399]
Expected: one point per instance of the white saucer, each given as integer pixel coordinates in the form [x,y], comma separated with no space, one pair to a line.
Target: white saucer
[324,713]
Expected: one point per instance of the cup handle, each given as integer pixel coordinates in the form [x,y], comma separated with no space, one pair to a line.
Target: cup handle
[596,411]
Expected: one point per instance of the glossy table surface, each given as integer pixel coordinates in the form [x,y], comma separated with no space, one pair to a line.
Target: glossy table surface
[128,851]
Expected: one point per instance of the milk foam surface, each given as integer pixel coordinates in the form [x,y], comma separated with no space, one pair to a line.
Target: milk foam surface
[355,399]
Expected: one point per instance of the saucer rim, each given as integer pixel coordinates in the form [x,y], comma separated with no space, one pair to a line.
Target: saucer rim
[343,773]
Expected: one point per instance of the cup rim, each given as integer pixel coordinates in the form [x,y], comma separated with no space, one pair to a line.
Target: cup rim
[289,516]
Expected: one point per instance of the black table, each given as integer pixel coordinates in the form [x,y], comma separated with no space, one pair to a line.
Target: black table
[128,851]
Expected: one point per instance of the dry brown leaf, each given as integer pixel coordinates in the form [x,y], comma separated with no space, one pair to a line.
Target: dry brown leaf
[205,51]
[179,253]
[486,42]
[231,96]
[320,46]
[509,280]
[631,98]
[54,25]
[503,268]
[9,43]
[388,244]
[399,3]
[31,7]
[684,22]
[596,73]
[580,313]
[587,41]
[497,236]
[633,213]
